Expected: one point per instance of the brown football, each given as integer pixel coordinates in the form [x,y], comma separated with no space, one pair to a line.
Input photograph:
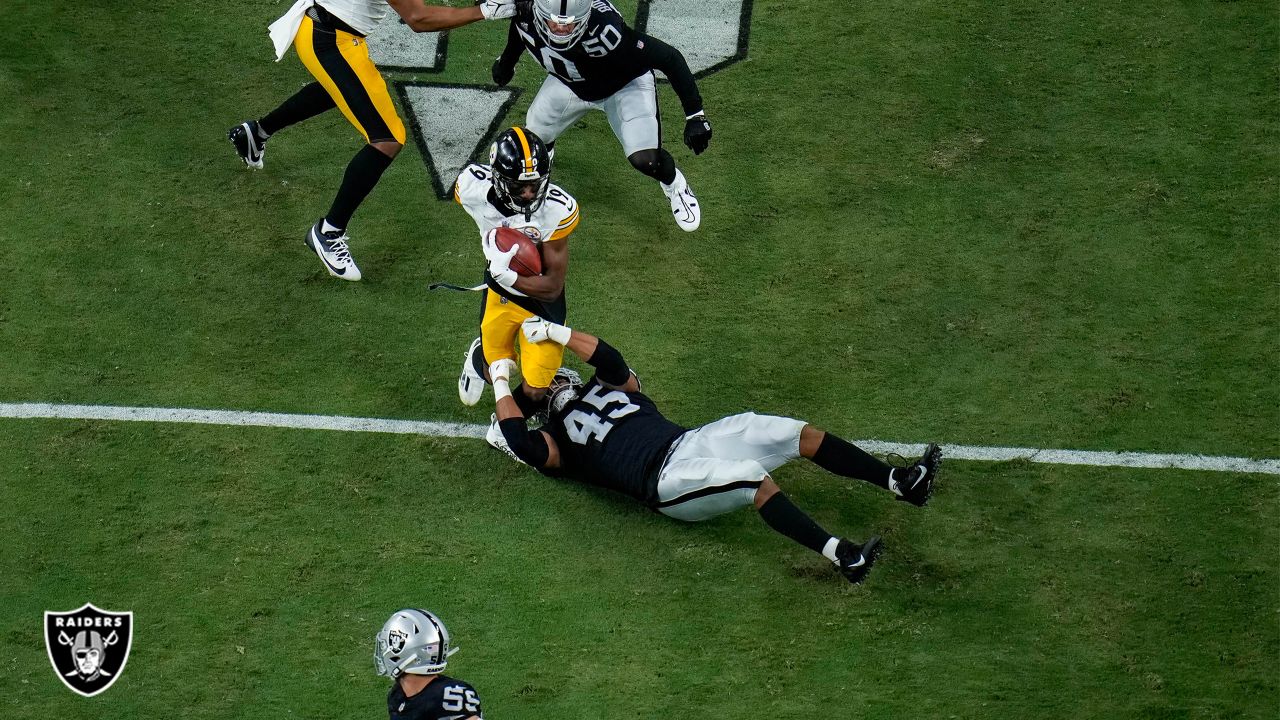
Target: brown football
[528,259]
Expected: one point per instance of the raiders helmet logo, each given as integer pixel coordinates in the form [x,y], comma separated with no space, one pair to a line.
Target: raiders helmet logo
[88,647]
[396,640]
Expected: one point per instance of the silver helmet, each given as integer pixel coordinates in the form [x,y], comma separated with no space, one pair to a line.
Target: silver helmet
[413,642]
[563,390]
[561,22]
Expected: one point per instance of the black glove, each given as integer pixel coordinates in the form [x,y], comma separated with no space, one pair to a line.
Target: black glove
[502,74]
[697,133]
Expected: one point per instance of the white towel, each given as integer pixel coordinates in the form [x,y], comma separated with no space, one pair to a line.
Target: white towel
[285,29]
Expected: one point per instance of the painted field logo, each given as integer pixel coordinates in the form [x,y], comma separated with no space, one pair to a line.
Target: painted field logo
[88,647]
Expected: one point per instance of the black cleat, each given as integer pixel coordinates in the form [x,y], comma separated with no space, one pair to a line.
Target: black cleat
[855,562]
[244,138]
[917,486]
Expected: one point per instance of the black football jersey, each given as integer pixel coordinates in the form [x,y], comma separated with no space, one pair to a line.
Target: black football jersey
[614,439]
[444,699]
[600,63]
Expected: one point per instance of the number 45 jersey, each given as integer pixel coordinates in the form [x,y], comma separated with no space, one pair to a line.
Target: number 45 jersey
[614,439]
[444,699]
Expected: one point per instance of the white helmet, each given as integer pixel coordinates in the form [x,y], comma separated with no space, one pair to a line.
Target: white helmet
[563,390]
[561,22]
[411,641]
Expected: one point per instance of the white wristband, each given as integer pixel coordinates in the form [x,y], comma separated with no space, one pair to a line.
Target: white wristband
[559,333]
[501,389]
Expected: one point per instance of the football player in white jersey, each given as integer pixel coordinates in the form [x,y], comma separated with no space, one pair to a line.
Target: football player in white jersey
[515,190]
[329,36]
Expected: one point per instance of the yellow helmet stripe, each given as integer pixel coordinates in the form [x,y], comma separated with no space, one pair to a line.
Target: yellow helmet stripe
[524,145]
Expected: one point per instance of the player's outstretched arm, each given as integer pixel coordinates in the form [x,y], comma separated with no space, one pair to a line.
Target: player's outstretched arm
[611,368]
[504,68]
[433,18]
[535,448]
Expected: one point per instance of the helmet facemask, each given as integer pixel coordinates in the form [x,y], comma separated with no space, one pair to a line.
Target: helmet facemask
[522,195]
[563,390]
[561,31]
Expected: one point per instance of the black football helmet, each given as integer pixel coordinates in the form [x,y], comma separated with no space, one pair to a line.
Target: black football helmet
[521,170]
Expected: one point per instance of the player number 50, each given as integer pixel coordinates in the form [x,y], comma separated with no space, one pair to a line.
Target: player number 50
[607,40]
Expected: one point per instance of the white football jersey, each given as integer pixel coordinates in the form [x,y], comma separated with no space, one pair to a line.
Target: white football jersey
[555,220]
[362,15]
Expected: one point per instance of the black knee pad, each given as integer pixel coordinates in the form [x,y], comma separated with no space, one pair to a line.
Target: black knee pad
[657,164]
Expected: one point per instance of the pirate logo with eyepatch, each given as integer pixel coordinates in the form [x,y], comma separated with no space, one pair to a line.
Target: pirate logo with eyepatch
[88,647]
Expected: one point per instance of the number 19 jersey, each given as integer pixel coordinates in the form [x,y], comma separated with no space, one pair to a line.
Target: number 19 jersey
[613,439]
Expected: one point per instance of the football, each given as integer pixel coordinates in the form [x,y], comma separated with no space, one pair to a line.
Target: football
[528,259]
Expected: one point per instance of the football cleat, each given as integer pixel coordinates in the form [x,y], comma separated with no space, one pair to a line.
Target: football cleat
[853,561]
[497,440]
[470,382]
[333,251]
[684,205]
[916,483]
[244,138]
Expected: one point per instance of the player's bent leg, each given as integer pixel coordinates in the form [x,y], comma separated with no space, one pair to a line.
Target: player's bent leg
[771,440]
[779,513]
[696,489]
[553,110]
[656,163]
[910,482]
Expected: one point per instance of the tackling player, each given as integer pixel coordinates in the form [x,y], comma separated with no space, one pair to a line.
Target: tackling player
[515,190]
[412,648]
[595,61]
[329,36]
[608,433]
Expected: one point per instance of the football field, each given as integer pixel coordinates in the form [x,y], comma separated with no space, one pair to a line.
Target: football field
[1037,225]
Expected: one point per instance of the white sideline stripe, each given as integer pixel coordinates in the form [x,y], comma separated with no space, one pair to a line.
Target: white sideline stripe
[1209,463]
[237,417]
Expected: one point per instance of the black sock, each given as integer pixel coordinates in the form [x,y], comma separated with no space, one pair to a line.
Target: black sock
[528,406]
[302,105]
[782,515]
[478,364]
[363,172]
[656,163]
[844,458]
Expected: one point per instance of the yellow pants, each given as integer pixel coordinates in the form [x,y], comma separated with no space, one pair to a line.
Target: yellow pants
[500,334]
[340,61]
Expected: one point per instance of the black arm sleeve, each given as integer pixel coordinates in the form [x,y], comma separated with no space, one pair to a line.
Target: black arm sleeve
[611,369]
[511,53]
[530,447]
[662,56]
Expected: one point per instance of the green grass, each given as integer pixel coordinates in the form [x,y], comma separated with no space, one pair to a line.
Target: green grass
[1035,224]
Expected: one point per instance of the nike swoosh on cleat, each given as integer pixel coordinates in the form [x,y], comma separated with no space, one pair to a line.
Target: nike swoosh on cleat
[323,259]
[861,561]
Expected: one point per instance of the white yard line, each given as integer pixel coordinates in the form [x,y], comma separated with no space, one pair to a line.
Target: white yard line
[1212,463]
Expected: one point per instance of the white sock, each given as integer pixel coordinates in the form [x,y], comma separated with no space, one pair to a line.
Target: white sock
[326,227]
[829,550]
[676,182]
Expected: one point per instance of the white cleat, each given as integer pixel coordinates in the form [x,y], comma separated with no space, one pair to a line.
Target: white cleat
[333,251]
[470,383]
[684,204]
[494,437]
